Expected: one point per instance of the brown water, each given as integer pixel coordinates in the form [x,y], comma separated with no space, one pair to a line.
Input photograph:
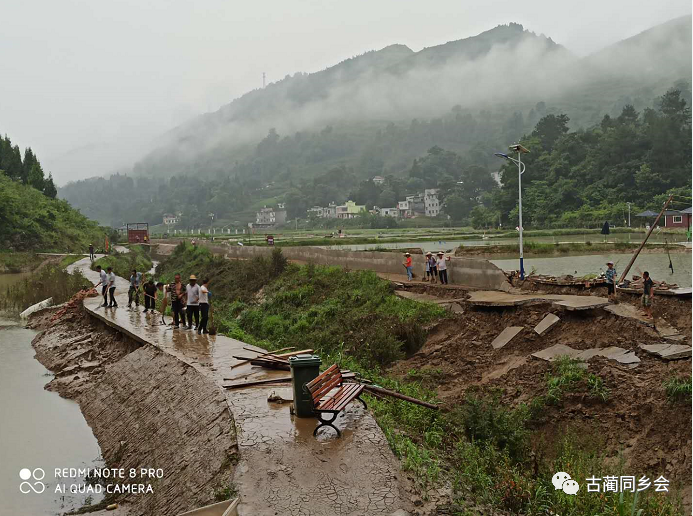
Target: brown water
[657,264]
[38,429]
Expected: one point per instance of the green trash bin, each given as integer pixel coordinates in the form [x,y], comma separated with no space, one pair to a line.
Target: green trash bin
[304,368]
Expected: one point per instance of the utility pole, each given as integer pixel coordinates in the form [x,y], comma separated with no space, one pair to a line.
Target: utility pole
[263,80]
[628,213]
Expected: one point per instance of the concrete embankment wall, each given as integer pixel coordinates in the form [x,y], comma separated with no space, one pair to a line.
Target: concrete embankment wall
[469,272]
[147,409]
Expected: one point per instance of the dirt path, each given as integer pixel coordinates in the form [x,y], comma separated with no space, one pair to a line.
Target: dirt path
[283,470]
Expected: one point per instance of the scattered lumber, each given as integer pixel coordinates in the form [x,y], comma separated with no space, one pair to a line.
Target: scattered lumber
[380,390]
[279,379]
[245,361]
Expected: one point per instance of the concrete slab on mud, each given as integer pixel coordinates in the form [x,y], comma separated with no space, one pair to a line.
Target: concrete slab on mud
[564,301]
[668,351]
[620,355]
[667,331]
[506,336]
[546,324]
[629,312]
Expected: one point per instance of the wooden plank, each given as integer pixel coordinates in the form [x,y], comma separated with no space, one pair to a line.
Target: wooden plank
[343,397]
[334,380]
[380,390]
[343,392]
[263,354]
[279,379]
[321,376]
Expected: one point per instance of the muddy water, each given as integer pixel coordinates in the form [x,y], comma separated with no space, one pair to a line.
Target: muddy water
[38,429]
[657,264]
[452,244]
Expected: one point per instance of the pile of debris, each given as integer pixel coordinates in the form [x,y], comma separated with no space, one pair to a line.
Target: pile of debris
[637,283]
[568,280]
[74,305]
[271,359]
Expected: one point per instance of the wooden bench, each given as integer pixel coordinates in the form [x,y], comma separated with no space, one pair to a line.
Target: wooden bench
[321,387]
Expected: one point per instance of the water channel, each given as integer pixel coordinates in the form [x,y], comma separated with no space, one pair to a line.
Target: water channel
[38,428]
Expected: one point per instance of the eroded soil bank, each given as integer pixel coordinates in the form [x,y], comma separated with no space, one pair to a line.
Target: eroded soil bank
[146,409]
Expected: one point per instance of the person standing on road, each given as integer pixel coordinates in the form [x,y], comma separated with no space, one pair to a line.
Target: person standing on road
[192,290]
[111,288]
[427,268]
[407,265]
[648,293]
[204,306]
[134,290]
[149,295]
[434,267]
[103,281]
[442,267]
[91,252]
[176,294]
[611,281]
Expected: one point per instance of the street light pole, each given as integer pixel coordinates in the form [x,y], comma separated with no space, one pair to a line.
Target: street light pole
[519,192]
[628,213]
[520,170]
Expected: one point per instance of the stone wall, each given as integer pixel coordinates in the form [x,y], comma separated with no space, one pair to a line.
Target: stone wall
[467,272]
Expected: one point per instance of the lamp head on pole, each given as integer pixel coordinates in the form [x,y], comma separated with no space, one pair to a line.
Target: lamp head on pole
[516,147]
[501,155]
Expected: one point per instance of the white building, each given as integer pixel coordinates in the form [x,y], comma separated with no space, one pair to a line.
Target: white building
[270,217]
[389,212]
[431,202]
[169,219]
[327,212]
[378,180]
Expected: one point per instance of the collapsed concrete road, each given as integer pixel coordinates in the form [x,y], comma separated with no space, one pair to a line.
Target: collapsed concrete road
[153,395]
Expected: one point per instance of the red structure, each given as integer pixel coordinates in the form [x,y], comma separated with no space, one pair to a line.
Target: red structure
[138,233]
[677,219]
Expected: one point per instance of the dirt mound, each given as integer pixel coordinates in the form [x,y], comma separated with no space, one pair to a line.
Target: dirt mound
[637,419]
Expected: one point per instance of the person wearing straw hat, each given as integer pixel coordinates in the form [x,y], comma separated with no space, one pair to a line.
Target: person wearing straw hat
[611,281]
[442,267]
[427,262]
[407,265]
[192,290]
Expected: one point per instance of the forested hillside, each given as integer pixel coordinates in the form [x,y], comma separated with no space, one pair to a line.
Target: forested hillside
[316,138]
[30,216]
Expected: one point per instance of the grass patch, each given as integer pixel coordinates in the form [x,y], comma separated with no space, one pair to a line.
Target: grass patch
[50,281]
[70,259]
[13,263]
[678,389]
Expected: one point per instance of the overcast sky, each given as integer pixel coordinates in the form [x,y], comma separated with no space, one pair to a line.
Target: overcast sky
[107,76]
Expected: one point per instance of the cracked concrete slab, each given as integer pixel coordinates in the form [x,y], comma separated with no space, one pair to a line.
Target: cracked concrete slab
[506,336]
[546,324]
[620,355]
[564,301]
[629,312]
[668,351]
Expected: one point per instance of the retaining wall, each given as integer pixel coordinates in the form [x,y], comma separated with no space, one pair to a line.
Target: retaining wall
[469,272]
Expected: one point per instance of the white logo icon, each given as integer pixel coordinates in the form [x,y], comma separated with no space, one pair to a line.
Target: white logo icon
[562,480]
[37,474]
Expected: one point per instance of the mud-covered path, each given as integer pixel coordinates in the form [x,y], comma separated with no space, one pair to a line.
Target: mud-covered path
[283,469]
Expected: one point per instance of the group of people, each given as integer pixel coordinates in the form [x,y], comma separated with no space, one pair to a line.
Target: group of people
[435,267]
[191,300]
[647,283]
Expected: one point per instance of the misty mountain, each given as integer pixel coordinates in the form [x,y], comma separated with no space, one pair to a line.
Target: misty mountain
[375,113]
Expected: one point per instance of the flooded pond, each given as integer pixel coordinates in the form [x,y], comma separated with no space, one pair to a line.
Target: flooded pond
[39,429]
[444,245]
[657,264]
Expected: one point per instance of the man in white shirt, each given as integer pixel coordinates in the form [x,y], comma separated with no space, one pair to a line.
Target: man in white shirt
[193,291]
[111,287]
[442,268]
[103,281]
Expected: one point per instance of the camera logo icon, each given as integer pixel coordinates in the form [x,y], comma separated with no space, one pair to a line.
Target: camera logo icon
[27,487]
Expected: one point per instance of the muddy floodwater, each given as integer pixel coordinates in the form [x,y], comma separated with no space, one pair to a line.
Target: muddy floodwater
[444,245]
[657,264]
[38,429]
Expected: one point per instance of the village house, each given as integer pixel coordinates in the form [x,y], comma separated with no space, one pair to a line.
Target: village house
[431,202]
[270,216]
[350,210]
[677,219]
[327,212]
[170,220]
[389,212]
[378,180]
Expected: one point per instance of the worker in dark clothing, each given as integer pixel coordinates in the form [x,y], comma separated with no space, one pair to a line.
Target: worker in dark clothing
[91,252]
[150,295]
